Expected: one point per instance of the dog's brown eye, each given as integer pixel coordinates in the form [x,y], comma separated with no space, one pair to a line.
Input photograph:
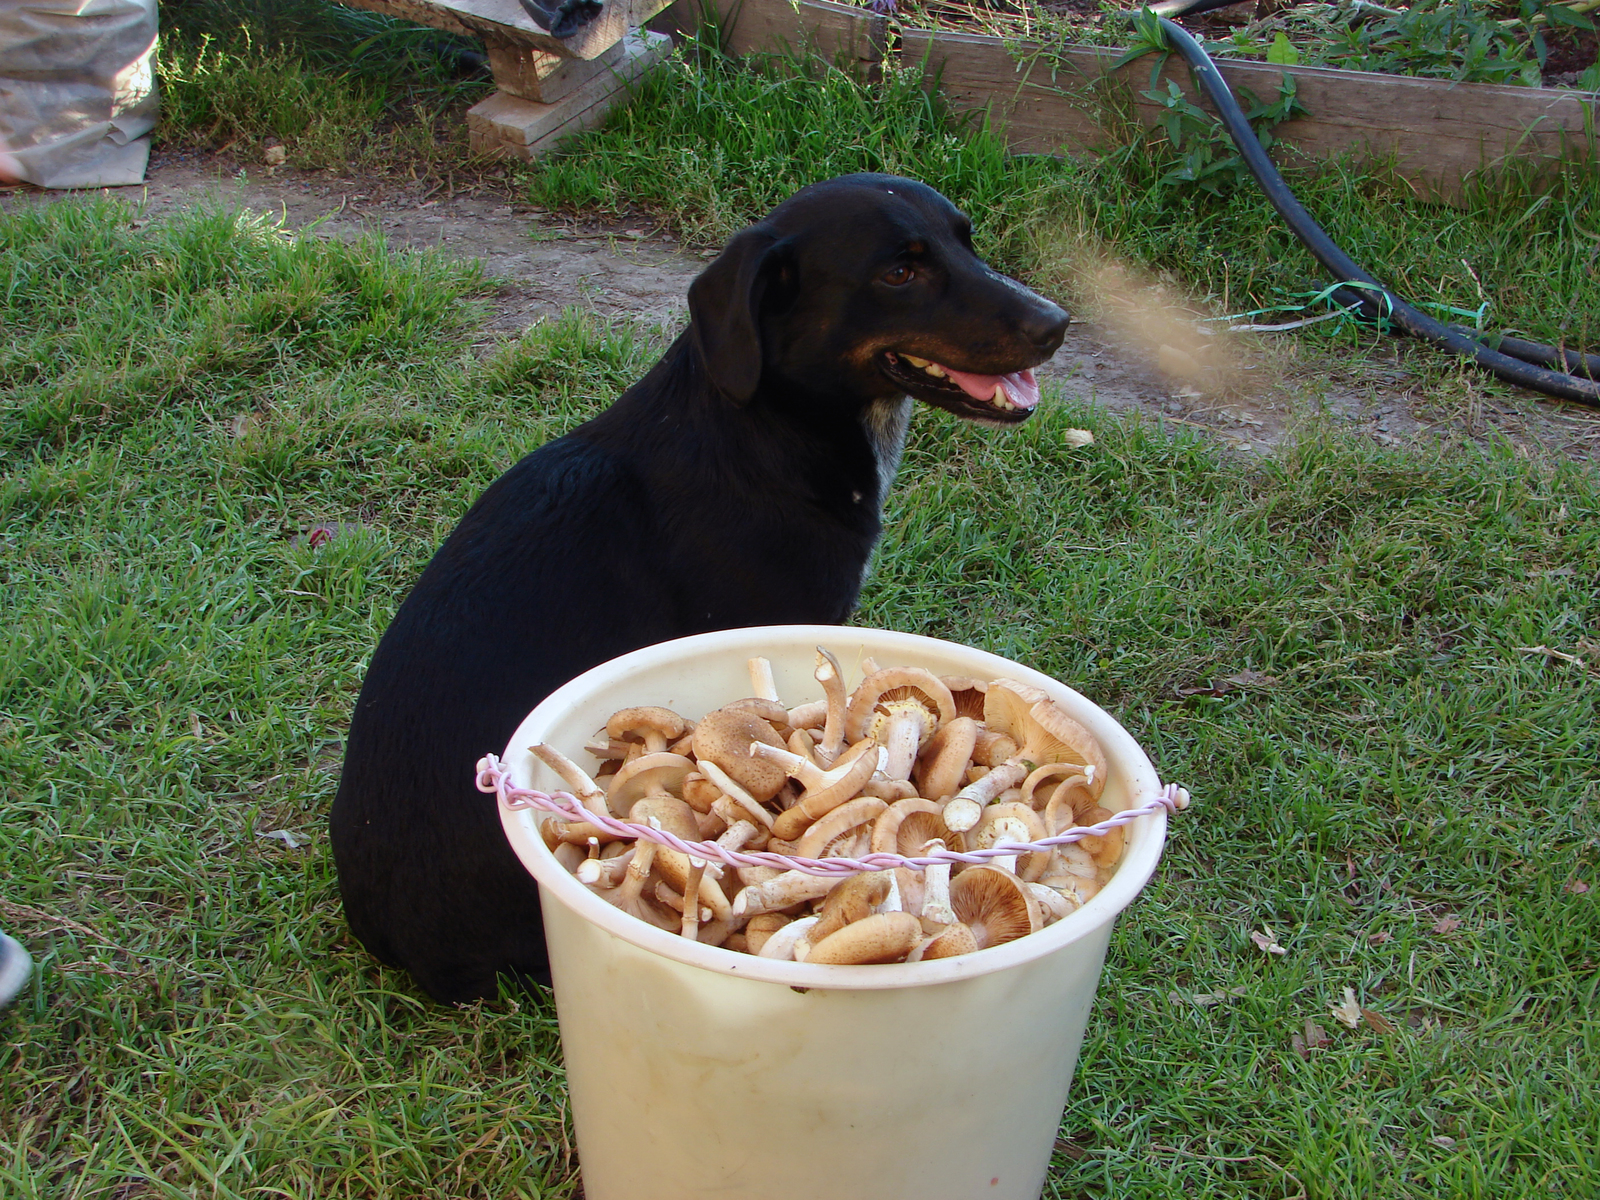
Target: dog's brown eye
[895,276]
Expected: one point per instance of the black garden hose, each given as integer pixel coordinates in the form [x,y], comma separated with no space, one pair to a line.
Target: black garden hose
[1523,363]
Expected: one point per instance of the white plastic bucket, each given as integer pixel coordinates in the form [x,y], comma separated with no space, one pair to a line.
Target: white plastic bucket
[697,1072]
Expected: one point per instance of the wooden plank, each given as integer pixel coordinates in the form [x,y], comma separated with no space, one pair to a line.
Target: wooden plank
[1437,131]
[510,127]
[542,77]
[834,31]
[506,22]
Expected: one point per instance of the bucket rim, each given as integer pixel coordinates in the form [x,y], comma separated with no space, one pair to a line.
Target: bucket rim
[1146,835]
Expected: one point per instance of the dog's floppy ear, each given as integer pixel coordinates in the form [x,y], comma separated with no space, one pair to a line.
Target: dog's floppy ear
[724,310]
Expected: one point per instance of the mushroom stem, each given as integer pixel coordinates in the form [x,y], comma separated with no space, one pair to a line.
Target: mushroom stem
[589,793]
[825,790]
[962,811]
[734,792]
[831,678]
[936,891]
[761,679]
[691,887]
[791,887]
[604,872]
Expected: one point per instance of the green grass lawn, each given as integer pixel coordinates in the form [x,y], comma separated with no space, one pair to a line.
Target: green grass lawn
[1402,788]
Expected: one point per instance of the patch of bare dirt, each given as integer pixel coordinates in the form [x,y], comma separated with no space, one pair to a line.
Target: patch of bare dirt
[549,262]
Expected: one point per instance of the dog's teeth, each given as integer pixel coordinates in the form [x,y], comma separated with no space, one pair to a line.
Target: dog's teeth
[1000,396]
[935,370]
[915,361]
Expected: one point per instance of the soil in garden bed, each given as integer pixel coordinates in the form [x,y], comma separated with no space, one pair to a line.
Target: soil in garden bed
[1434,40]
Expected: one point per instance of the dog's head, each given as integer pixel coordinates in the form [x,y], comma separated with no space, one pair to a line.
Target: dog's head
[866,287]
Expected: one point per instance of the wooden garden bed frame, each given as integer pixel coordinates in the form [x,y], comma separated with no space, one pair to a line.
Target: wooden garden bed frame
[1436,132]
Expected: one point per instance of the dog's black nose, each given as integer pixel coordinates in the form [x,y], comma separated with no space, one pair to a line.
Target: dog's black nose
[1045,325]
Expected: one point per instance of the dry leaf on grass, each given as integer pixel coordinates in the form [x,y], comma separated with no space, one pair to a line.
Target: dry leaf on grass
[1442,1141]
[1577,887]
[1207,999]
[1267,941]
[1379,938]
[1378,1022]
[1348,1012]
[1228,683]
[1313,1037]
[1078,437]
[1447,925]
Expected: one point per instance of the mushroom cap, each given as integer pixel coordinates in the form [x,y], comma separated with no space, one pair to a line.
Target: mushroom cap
[942,764]
[700,792]
[886,829]
[853,900]
[889,683]
[995,905]
[880,938]
[761,927]
[828,829]
[724,737]
[646,775]
[1041,784]
[917,830]
[1006,707]
[1042,731]
[1014,822]
[647,718]
[967,693]
[956,939]
[1071,801]
[781,943]
[1107,848]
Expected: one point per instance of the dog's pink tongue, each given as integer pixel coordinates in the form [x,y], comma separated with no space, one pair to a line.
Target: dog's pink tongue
[1022,389]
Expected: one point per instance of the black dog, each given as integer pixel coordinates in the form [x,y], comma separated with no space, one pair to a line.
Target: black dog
[739,483]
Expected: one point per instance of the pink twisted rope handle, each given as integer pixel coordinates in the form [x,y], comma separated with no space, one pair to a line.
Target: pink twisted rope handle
[492,777]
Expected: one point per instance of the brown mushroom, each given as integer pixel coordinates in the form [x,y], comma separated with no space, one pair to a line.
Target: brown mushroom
[1043,732]
[829,675]
[943,762]
[825,789]
[990,749]
[886,829]
[1014,822]
[880,938]
[851,901]
[629,895]
[733,792]
[781,943]
[724,737]
[650,724]
[899,708]
[781,891]
[949,942]
[761,927]
[1106,848]
[1043,782]
[967,693]
[995,905]
[823,837]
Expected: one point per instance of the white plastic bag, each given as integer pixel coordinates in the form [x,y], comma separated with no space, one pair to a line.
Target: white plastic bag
[77,91]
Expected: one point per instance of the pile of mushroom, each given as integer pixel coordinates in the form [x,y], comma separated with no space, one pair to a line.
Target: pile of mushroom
[908,763]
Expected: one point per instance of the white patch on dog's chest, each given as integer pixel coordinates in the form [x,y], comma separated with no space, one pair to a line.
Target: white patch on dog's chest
[886,422]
